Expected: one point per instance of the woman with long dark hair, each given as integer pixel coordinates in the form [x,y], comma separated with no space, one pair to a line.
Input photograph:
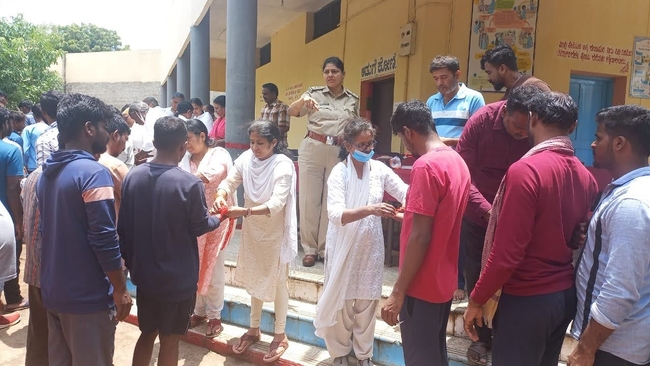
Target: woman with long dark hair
[211,164]
[269,230]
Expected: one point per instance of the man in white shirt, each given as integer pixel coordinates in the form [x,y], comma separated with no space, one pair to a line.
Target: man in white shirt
[176,98]
[48,142]
[142,141]
[154,114]
[200,114]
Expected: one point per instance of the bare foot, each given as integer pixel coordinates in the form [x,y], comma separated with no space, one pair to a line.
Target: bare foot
[459,295]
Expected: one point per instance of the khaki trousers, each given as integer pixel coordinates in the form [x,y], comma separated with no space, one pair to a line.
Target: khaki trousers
[315,162]
[354,330]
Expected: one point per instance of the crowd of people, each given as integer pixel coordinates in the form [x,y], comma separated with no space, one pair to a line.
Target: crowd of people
[497,205]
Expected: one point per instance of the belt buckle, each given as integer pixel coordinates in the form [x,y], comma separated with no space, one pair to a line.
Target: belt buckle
[329,140]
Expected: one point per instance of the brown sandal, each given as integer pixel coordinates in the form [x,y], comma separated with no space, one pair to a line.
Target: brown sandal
[309,260]
[273,349]
[246,340]
[477,354]
[214,328]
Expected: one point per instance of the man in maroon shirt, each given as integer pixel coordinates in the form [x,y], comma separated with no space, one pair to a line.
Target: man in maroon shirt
[493,139]
[543,197]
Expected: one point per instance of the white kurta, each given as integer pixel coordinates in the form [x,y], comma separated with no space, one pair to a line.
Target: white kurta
[258,261]
[367,256]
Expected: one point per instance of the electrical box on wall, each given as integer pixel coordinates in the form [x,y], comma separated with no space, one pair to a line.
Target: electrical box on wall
[407,39]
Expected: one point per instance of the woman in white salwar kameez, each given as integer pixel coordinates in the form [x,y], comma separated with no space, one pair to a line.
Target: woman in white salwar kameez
[211,164]
[345,314]
[269,231]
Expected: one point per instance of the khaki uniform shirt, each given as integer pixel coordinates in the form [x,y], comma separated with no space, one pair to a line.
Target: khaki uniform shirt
[332,111]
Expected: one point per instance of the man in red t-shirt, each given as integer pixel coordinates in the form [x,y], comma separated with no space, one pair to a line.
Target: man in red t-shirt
[429,243]
[542,199]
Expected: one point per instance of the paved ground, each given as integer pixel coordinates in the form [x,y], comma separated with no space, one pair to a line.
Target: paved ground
[12,346]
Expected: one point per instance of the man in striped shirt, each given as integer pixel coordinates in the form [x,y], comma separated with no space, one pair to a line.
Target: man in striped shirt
[275,110]
[454,103]
[613,272]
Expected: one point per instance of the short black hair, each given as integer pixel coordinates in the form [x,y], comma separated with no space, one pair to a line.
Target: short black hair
[220,100]
[75,110]
[4,117]
[415,115]
[184,107]
[444,62]
[16,116]
[500,55]
[26,104]
[196,101]
[630,121]
[36,111]
[169,133]
[520,97]
[554,108]
[150,100]
[117,123]
[49,101]
[271,87]
[334,61]
[178,95]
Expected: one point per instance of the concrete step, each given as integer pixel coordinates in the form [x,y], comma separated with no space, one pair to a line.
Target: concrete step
[388,342]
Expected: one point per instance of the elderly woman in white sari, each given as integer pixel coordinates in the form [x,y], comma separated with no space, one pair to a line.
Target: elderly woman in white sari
[211,164]
[269,231]
[345,314]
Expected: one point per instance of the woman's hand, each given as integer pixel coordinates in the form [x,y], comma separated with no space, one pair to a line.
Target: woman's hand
[237,212]
[382,210]
[310,103]
[219,203]
[399,217]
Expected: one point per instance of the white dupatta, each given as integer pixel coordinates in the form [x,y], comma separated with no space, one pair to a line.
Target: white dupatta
[258,182]
[339,268]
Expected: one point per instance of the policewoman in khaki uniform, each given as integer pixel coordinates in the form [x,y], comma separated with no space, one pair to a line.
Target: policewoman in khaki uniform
[327,109]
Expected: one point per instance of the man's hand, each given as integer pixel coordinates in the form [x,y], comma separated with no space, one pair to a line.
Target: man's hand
[123,303]
[487,215]
[473,316]
[142,157]
[392,307]
[579,236]
[18,231]
[581,357]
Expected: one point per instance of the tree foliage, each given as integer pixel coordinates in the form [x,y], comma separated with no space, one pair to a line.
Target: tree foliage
[89,38]
[27,52]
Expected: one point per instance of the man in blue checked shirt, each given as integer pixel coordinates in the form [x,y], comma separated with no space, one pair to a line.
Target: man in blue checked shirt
[613,273]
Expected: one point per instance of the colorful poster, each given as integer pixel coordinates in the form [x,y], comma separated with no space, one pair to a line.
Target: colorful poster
[640,80]
[497,22]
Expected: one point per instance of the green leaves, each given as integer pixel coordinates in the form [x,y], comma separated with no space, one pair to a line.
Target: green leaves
[27,52]
[88,38]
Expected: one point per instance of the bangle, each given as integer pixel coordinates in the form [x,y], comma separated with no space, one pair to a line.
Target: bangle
[249,212]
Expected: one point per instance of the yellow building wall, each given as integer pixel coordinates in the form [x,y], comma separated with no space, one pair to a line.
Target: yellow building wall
[369,29]
[217,74]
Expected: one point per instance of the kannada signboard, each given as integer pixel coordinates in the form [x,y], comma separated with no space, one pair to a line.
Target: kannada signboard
[379,67]
[498,22]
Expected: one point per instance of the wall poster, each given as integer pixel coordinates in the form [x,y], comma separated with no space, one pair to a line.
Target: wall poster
[497,22]
[640,79]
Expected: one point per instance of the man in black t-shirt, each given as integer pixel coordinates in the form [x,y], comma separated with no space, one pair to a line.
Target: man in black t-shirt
[163,211]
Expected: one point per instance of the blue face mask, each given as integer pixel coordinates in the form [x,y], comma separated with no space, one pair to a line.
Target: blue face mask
[363,157]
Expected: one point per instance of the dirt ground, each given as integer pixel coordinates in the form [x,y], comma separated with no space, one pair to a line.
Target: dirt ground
[13,341]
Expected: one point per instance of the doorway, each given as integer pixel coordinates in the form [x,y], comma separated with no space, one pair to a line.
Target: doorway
[379,102]
[591,94]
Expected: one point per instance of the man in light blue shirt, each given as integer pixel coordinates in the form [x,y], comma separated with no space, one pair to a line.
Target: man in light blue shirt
[613,272]
[454,103]
[30,135]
